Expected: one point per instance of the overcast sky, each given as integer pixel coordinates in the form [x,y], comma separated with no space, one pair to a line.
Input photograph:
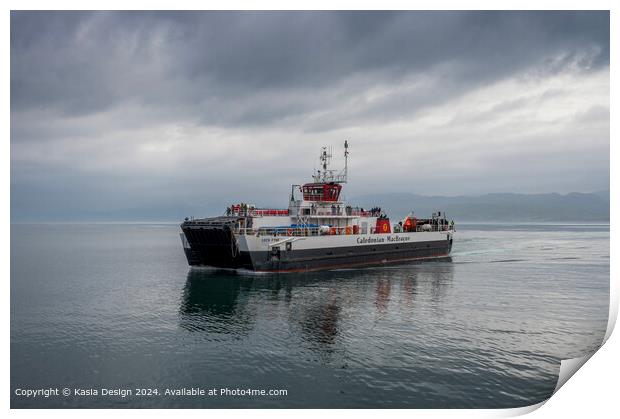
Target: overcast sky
[172,114]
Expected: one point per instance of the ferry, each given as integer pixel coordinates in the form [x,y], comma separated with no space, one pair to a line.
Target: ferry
[318,231]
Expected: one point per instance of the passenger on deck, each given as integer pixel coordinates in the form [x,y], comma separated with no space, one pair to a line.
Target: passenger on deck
[398,228]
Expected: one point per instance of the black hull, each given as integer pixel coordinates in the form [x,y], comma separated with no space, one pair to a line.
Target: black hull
[320,259]
[211,242]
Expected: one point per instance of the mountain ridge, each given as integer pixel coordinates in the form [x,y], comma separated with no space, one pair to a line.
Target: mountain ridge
[497,206]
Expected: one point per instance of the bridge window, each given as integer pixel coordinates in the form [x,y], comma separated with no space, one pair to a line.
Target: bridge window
[321,192]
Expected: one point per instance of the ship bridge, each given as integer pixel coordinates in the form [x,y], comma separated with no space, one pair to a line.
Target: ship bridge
[320,199]
[321,191]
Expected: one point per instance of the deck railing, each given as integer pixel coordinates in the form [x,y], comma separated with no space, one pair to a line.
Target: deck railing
[237,210]
[333,231]
[279,231]
[295,231]
[257,212]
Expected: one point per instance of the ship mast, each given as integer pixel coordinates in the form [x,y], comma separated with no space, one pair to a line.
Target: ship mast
[329,175]
[346,158]
[326,158]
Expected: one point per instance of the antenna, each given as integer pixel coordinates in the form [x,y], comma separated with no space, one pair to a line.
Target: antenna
[325,157]
[329,175]
[346,158]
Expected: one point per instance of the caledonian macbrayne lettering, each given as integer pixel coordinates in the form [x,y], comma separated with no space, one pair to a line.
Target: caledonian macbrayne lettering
[368,240]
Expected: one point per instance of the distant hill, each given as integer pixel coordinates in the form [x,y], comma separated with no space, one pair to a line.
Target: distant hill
[500,207]
[573,207]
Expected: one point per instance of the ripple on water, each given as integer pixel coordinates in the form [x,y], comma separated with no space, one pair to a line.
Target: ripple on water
[486,329]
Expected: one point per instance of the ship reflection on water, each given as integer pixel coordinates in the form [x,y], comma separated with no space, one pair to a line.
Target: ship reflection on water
[321,312]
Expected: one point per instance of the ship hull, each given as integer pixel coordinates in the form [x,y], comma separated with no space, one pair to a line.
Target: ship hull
[348,257]
[294,254]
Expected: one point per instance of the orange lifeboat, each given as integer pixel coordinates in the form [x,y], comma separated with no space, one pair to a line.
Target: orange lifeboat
[410,224]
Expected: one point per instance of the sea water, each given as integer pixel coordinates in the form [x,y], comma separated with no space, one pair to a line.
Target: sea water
[114,309]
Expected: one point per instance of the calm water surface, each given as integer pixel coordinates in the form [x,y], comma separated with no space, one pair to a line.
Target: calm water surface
[116,306]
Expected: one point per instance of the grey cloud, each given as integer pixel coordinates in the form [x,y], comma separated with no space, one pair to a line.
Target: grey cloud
[596,113]
[87,62]
[96,98]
